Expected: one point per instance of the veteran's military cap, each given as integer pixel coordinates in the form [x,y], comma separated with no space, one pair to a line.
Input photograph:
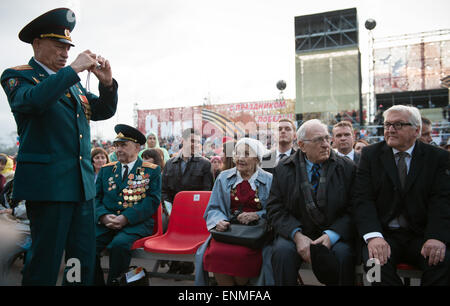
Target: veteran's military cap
[56,24]
[129,133]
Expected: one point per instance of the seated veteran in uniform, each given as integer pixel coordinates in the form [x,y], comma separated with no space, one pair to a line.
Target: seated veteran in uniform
[241,192]
[128,194]
[309,207]
[99,157]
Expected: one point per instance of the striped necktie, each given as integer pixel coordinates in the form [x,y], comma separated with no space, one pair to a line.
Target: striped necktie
[315,177]
[401,167]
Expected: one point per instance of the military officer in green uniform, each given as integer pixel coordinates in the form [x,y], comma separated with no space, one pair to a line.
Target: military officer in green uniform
[128,194]
[54,173]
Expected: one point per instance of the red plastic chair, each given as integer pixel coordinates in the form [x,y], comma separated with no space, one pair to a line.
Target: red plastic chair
[186,232]
[407,272]
[157,229]
[187,228]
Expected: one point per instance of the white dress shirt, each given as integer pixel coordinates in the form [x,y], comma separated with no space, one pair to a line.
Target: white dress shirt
[350,155]
[287,154]
[130,166]
[48,70]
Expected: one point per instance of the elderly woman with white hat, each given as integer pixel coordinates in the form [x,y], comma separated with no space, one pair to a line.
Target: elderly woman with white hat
[241,191]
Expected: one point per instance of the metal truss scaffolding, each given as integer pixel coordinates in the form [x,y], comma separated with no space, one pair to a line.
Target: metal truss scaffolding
[330,30]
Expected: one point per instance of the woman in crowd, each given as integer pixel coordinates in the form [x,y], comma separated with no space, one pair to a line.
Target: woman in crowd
[228,148]
[154,156]
[216,166]
[241,191]
[359,144]
[99,157]
[153,143]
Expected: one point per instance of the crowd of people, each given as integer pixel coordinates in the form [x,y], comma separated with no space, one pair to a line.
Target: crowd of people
[329,200]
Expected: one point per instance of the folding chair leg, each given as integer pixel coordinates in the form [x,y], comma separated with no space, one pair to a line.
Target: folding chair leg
[156,266]
[300,280]
[407,281]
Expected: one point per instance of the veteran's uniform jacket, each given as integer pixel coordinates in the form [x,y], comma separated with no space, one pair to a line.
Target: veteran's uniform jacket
[137,197]
[52,114]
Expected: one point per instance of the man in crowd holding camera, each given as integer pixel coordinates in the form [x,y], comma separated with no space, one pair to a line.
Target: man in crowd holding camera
[54,173]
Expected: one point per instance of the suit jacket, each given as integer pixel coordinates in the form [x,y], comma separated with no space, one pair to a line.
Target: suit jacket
[356,158]
[54,162]
[424,201]
[137,198]
[286,206]
[269,160]
[196,177]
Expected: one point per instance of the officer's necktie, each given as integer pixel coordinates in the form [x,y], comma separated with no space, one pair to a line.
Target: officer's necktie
[281,156]
[125,173]
[315,177]
[401,167]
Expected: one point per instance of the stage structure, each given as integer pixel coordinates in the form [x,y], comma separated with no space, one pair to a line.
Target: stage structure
[327,60]
[409,69]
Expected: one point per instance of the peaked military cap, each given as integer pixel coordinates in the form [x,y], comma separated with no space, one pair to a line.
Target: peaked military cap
[129,133]
[56,24]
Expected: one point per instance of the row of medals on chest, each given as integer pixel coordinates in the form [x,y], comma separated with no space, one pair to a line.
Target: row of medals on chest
[135,191]
[256,199]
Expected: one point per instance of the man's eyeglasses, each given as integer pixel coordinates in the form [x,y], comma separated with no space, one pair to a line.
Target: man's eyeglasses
[397,125]
[319,139]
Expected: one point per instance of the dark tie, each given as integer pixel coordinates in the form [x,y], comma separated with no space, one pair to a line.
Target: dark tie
[315,177]
[125,173]
[401,167]
[281,156]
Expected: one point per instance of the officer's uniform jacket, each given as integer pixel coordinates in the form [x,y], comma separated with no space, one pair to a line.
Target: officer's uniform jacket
[137,197]
[52,114]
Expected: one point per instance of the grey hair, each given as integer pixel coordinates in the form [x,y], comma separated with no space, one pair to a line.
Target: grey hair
[301,132]
[413,113]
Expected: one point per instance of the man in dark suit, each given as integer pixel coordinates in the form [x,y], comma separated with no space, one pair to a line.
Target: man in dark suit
[401,203]
[344,139]
[286,139]
[309,204]
[128,194]
[54,173]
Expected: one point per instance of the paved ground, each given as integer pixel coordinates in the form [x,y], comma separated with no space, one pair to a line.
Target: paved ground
[15,275]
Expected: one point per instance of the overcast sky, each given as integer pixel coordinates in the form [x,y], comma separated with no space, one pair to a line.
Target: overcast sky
[171,53]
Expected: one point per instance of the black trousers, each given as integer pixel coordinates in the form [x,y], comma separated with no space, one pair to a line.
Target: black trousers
[405,248]
[286,262]
[118,244]
[57,227]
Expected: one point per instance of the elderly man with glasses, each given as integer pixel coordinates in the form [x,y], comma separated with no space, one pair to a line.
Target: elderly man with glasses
[401,201]
[309,207]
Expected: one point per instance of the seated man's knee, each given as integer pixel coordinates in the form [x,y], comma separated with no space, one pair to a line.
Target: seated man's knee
[283,248]
[343,250]
[118,245]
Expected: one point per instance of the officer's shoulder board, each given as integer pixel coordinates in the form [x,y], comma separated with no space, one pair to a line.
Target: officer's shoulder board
[149,165]
[12,76]
[110,164]
[22,67]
